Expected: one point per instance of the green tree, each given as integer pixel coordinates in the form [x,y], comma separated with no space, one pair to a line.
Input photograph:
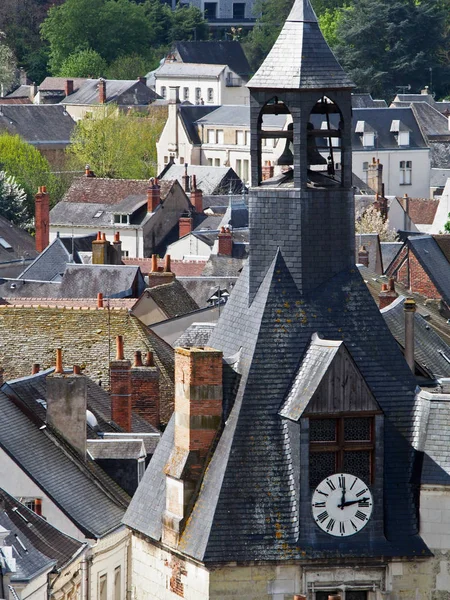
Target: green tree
[7,65]
[447,225]
[385,44]
[29,169]
[13,201]
[129,67]
[85,63]
[121,145]
[188,24]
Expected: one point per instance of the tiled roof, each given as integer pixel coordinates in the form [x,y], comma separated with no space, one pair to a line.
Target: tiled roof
[46,546]
[121,91]
[421,210]
[99,190]
[172,298]
[37,123]
[300,58]
[86,336]
[197,334]
[83,303]
[211,180]
[181,268]
[58,83]
[433,261]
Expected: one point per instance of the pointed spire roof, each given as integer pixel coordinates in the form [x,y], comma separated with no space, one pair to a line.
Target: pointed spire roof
[301,58]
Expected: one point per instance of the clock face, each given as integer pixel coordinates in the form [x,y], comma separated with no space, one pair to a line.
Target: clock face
[342,504]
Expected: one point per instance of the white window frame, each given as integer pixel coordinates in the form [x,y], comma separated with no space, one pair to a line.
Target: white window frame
[405,172]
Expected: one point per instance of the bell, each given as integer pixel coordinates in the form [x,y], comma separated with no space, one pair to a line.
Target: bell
[313,155]
[287,157]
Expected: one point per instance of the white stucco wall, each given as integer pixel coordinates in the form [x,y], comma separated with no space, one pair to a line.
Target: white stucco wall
[132,238]
[108,554]
[187,246]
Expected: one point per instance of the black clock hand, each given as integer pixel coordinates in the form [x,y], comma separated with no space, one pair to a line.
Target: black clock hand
[342,504]
[351,502]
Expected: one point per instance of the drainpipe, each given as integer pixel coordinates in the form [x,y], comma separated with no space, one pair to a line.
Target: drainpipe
[410,309]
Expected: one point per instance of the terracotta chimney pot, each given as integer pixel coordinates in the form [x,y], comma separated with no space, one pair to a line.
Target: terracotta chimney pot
[35,368]
[138,358]
[99,300]
[154,263]
[76,370]
[167,264]
[119,348]
[59,365]
[149,360]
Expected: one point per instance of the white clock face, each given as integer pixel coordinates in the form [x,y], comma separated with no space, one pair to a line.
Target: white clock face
[342,505]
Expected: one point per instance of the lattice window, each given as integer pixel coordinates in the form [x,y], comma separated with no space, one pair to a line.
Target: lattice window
[321,465]
[358,428]
[322,430]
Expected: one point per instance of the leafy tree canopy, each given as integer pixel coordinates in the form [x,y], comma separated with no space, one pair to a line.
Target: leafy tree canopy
[85,63]
[7,65]
[13,199]
[29,169]
[118,145]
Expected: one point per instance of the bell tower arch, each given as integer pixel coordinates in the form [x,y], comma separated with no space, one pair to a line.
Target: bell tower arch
[307,208]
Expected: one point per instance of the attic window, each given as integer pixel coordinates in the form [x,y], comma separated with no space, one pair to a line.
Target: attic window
[368,139]
[401,132]
[4,244]
[98,214]
[122,219]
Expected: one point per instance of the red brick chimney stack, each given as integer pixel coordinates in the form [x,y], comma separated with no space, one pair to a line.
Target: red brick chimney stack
[102,91]
[42,219]
[68,87]
[153,195]
[145,389]
[160,275]
[387,294]
[225,242]
[120,384]
[185,225]
[196,196]
[267,172]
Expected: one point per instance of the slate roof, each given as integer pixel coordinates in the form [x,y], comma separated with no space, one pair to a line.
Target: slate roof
[87,337]
[115,448]
[37,123]
[120,91]
[197,334]
[301,58]
[202,288]
[113,281]
[189,70]
[365,100]
[371,241]
[431,352]
[389,251]
[433,261]
[226,266]
[432,122]
[189,115]
[215,52]
[380,120]
[272,336]
[436,425]
[239,115]
[211,180]
[98,504]
[53,84]
[46,546]
[99,190]
[21,242]
[96,215]
[172,299]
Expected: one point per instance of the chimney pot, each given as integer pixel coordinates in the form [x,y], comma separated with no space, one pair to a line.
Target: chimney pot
[102,91]
[409,307]
[149,360]
[99,300]
[138,358]
[167,264]
[154,263]
[117,237]
[68,87]
[59,365]
[119,348]
[384,287]
[76,370]
[35,368]
[103,237]
[42,219]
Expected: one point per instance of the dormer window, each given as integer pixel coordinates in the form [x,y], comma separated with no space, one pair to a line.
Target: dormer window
[122,219]
[367,133]
[402,132]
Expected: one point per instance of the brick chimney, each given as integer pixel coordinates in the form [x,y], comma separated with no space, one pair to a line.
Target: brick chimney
[120,388]
[375,176]
[101,91]
[363,256]
[267,172]
[100,250]
[145,388]
[36,367]
[185,226]
[225,242]
[67,404]
[387,294]
[160,275]
[68,87]
[42,219]
[198,417]
[410,309]
[196,196]
[117,249]
[153,195]
[381,205]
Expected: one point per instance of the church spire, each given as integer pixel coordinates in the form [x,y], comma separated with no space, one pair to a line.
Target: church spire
[301,58]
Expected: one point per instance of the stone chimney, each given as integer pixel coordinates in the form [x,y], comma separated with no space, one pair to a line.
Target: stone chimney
[101,91]
[225,242]
[185,226]
[42,219]
[198,417]
[186,180]
[410,309]
[387,294]
[67,404]
[363,256]
[120,388]
[160,275]
[68,87]
[100,250]
[153,195]
[375,176]
[381,205]
[145,388]
[117,249]
[196,196]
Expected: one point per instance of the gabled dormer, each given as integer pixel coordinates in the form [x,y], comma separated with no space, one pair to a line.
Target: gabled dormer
[367,134]
[401,132]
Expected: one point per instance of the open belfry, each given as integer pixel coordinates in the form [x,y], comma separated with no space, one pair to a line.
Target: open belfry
[291,467]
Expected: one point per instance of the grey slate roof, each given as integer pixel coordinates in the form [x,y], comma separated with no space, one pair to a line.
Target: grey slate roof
[98,504]
[436,425]
[222,525]
[188,70]
[116,448]
[300,58]
[227,266]
[50,265]
[215,52]
[211,180]
[197,334]
[189,115]
[365,100]
[431,352]
[37,123]
[433,261]
[46,545]
[113,281]
[239,115]
[371,241]
[380,119]
[201,288]
[172,299]
[389,251]
[99,215]
[21,242]
[120,91]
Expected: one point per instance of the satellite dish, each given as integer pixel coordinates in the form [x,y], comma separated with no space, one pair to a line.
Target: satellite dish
[92,420]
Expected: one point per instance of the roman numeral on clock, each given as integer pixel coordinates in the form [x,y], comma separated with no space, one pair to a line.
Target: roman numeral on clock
[361,493]
[341,481]
[323,516]
[319,505]
[330,524]
[360,515]
[363,504]
[322,493]
[342,528]
[331,485]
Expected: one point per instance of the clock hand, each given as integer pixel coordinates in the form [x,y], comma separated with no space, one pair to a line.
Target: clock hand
[341,506]
[351,502]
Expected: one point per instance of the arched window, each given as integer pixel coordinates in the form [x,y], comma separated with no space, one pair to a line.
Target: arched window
[275,140]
